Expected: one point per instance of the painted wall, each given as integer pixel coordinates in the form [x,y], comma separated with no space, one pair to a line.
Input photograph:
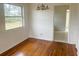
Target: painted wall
[73,24]
[1,18]
[10,38]
[60,17]
[74,28]
[77,44]
[41,22]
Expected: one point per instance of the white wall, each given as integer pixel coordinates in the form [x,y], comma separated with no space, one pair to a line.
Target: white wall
[74,25]
[41,22]
[1,18]
[77,29]
[10,38]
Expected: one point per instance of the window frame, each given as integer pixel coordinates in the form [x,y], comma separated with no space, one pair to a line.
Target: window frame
[22,15]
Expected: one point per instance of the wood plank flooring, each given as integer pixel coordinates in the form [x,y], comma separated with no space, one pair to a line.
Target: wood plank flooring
[36,47]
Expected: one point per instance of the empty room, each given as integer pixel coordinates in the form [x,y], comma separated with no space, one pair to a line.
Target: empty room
[39,29]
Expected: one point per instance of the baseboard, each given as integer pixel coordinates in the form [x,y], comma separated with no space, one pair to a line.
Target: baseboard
[61,41]
[42,38]
[39,39]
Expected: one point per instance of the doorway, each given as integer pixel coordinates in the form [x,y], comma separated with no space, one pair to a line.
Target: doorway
[61,23]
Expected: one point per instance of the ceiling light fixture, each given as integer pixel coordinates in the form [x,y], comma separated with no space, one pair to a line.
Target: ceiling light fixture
[42,7]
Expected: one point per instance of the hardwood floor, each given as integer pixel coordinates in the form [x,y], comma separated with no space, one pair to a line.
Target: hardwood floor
[36,47]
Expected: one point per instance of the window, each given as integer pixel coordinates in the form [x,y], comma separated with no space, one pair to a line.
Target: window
[13,16]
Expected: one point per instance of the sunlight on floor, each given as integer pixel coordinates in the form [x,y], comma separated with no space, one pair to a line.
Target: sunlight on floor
[20,54]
